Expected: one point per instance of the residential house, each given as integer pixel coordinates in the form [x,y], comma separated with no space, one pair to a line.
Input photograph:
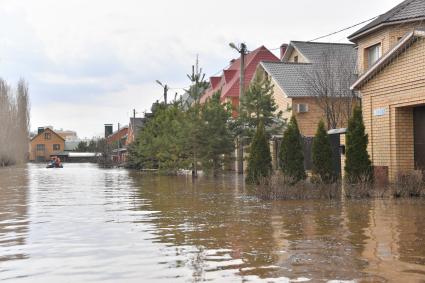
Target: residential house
[134,128]
[312,82]
[118,141]
[391,60]
[45,144]
[228,83]
[302,77]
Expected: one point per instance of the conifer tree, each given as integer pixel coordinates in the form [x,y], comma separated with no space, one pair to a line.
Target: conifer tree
[217,140]
[357,162]
[291,153]
[322,155]
[259,161]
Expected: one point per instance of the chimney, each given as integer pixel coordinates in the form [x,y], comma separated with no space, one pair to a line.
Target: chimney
[108,130]
[283,48]
[40,130]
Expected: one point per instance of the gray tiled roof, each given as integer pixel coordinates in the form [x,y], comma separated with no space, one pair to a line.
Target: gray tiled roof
[295,79]
[289,77]
[314,51]
[407,10]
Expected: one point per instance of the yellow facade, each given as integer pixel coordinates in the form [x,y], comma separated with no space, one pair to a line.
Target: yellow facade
[45,144]
[388,101]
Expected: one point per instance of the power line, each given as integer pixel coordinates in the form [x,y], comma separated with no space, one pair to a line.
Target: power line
[335,32]
[344,29]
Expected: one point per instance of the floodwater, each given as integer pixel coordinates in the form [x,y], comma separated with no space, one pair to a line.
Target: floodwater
[85,224]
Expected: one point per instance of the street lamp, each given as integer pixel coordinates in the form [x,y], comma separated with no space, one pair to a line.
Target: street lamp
[166,88]
[242,51]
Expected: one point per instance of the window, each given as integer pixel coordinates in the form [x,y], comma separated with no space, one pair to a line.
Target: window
[302,108]
[296,59]
[47,136]
[40,147]
[56,147]
[373,54]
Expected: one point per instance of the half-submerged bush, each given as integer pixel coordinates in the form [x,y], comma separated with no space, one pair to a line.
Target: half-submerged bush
[361,189]
[408,184]
[322,156]
[280,187]
[358,167]
[291,154]
[259,161]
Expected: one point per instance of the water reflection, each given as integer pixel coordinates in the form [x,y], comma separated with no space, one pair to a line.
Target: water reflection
[13,213]
[91,224]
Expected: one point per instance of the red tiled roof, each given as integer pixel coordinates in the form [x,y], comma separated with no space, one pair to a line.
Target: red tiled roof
[228,83]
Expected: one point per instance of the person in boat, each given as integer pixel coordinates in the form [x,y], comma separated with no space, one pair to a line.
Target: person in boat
[58,162]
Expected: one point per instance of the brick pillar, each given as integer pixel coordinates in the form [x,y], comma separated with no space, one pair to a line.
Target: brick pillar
[402,153]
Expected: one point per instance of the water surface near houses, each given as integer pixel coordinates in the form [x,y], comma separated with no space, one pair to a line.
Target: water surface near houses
[85,224]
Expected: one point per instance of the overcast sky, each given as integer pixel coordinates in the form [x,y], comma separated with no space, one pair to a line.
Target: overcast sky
[90,62]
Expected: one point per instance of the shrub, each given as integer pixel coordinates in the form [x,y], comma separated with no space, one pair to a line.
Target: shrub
[291,153]
[322,155]
[357,163]
[259,160]
[409,184]
[362,188]
[279,187]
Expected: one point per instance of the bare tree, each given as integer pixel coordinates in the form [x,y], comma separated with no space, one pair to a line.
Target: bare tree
[328,79]
[14,119]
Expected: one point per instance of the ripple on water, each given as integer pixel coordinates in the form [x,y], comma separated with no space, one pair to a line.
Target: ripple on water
[83,224]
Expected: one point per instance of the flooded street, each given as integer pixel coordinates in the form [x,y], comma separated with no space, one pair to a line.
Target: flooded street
[85,224]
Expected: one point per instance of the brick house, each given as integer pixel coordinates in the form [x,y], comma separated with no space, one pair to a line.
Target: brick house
[391,61]
[118,141]
[45,144]
[228,83]
[293,93]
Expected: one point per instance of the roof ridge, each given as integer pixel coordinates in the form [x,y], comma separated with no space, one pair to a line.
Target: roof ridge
[288,63]
[315,42]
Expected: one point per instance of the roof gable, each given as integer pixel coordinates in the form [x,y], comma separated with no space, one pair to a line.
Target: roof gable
[229,82]
[408,10]
[313,52]
[386,59]
[48,130]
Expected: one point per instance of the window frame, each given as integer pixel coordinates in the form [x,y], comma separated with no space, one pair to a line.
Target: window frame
[374,49]
[56,147]
[40,147]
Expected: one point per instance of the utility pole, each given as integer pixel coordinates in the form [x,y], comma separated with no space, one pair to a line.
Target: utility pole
[242,50]
[166,88]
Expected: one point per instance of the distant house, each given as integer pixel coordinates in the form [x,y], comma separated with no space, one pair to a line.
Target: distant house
[303,65]
[45,144]
[228,83]
[118,141]
[134,128]
[391,61]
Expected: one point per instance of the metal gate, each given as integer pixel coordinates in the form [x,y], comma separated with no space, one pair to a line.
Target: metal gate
[336,153]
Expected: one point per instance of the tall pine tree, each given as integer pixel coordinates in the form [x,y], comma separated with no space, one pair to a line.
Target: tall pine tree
[322,155]
[357,163]
[259,160]
[291,153]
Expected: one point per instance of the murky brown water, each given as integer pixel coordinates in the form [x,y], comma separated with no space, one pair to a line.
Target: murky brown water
[84,224]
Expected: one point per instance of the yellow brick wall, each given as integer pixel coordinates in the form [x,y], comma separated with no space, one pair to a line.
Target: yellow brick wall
[387,37]
[48,144]
[284,103]
[307,122]
[397,88]
[301,58]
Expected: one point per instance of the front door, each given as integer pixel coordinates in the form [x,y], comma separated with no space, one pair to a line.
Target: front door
[419,136]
